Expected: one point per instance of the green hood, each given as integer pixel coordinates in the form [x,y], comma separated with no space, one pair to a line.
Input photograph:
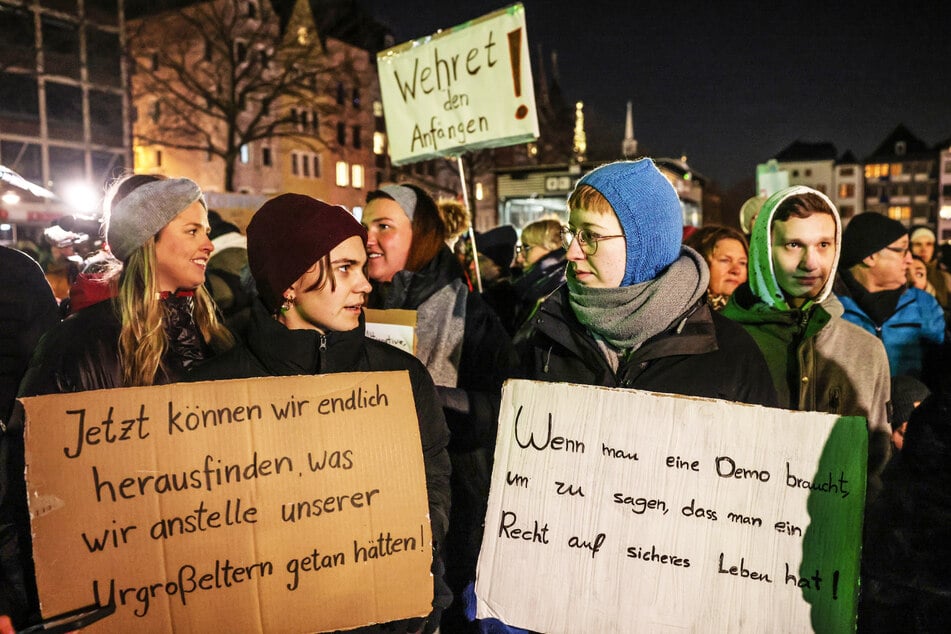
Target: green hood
[762,277]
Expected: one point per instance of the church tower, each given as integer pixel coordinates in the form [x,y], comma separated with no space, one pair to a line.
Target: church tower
[629,144]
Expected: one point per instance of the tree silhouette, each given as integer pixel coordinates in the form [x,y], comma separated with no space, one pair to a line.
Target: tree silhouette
[216,76]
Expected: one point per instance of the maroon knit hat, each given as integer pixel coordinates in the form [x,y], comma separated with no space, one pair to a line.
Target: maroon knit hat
[288,234]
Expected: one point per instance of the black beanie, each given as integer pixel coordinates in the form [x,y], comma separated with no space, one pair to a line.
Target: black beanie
[868,233]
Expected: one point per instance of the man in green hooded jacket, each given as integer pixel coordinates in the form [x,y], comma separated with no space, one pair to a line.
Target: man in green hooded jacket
[817,360]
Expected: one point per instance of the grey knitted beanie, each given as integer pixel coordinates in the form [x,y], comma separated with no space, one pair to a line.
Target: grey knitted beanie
[145,210]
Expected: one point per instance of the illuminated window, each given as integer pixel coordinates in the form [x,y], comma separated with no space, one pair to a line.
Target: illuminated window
[900,148]
[245,154]
[302,37]
[478,191]
[899,212]
[879,170]
[846,190]
[356,176]
[896,169]
[377,108]
[379,143]
[343,174]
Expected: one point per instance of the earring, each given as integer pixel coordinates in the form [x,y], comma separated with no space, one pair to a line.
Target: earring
[287,305]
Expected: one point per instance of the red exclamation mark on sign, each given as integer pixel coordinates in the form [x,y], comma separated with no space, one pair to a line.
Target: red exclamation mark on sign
[515,57]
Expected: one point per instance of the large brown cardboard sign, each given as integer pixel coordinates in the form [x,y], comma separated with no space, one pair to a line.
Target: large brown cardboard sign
[627,511]
[285,504]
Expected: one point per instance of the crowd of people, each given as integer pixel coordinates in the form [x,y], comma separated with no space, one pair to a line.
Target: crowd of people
[800,310]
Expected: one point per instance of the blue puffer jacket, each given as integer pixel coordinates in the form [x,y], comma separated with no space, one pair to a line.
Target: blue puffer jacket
[916,324]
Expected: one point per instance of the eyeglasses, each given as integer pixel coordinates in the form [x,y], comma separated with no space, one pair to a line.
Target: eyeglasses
[523,248]
[587,240]
[902,252]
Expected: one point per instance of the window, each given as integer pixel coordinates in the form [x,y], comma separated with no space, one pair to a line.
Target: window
[313,121]
[377,108]
[154,61]
[355,100]
[295,119]
[341,93]
[879,170]
[305,163]
[847,171]
[244,153]
[356,176]
[900,148]
[295,170]
[379,143]
[846,190]
[342,133]
[266,159]
[318,168]
[343,174]
[795,173]
[357,144]
[898,212]
[896,169]
[808,172]
[156,110]
[480,193]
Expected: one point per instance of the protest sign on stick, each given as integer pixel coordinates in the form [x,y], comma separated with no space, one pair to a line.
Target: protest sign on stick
[464,88]
[280,504]
[627,511]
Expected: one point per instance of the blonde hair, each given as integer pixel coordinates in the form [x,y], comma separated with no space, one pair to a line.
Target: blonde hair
[142,338]
[454,216]
[545,234]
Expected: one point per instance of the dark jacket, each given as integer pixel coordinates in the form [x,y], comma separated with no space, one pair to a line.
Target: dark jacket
[80,353]
[471,407]
[27,310]
[267,348]
[703,354]
[486,348]
[537,283]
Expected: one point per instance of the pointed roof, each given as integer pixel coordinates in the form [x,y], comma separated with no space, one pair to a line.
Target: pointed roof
[900,143]
[806,151]
[848,158]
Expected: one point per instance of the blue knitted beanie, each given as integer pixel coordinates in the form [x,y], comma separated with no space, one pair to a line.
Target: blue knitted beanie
[649,212]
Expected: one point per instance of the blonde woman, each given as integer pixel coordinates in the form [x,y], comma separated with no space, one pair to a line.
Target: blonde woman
[163,320]
[541,255]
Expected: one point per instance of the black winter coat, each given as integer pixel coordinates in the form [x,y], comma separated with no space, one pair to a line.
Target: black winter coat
[78,354]
[267,348]
[704,354]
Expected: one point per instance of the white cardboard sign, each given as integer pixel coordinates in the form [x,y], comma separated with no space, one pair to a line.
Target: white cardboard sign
[627,511]
[468,87]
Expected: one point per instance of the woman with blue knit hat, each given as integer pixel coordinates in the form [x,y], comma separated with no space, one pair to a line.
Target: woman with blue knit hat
[633,312]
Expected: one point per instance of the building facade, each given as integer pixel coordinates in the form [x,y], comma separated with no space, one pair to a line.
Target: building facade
[63,105]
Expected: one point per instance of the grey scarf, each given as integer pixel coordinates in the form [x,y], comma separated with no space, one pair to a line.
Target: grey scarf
[628,316]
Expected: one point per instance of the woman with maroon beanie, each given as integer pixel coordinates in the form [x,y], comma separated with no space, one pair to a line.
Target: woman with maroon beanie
[308,260]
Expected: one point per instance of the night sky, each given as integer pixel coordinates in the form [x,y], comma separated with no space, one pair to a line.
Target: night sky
[731,86]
